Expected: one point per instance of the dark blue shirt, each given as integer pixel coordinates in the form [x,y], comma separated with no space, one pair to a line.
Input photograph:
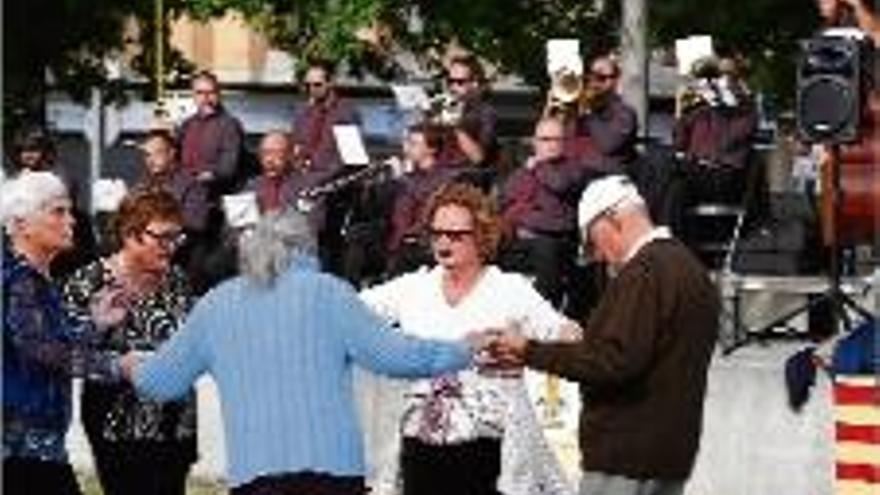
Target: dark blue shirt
[42,350]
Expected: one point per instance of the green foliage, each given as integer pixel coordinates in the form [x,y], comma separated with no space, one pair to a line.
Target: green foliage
[71,38]
[510,33]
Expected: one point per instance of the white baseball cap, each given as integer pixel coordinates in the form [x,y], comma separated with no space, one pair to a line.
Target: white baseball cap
[605,194]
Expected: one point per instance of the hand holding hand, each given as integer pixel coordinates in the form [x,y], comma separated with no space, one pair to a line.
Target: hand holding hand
[129,363]
[507,348]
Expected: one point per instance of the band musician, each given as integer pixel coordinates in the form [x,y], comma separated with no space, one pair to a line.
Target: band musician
[606,126]
[470,119]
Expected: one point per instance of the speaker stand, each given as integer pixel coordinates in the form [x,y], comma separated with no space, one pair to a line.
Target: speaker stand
[839,301]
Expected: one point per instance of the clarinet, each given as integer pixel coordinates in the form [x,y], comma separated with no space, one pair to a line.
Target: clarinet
[342,182]
[306,199]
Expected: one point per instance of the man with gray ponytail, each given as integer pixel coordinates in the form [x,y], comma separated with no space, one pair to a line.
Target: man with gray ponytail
[281,341]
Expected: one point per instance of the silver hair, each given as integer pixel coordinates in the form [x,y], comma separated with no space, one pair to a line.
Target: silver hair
[266,250]
[24,195]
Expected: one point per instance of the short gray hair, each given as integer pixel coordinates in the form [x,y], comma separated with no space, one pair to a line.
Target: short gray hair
[266,251]
[27,193]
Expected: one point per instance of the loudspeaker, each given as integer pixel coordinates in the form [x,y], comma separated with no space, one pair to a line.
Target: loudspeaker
[833,80]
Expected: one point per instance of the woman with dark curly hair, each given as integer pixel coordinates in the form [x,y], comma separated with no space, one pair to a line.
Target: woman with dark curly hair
[464,422]
[140,446]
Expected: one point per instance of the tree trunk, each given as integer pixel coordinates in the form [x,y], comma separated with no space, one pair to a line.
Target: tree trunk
[634,63]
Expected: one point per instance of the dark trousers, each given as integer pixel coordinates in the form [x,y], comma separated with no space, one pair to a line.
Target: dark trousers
[470,468]
[141,470]
[33,477]
[305,483]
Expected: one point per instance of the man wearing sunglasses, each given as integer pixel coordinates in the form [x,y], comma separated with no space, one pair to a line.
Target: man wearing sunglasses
[607,129]
[643,360]
[313,123]
[472,141]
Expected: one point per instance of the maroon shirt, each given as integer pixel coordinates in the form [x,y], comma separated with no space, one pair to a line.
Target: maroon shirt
[606,137]
[313,128]
[479,121]
[543,199]
[414,190]
[212,143]
[719,136]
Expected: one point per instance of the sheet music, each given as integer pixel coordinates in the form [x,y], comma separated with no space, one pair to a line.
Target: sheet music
[564,54]
[107,194]
[350,145]
[689,50]
[241,209]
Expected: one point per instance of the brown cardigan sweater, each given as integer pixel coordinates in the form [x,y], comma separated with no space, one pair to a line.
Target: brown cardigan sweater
[642,365]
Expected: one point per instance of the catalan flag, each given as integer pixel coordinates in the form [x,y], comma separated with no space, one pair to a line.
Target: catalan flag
[857,433]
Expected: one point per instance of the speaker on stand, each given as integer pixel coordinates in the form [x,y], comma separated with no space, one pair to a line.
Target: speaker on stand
[834,76]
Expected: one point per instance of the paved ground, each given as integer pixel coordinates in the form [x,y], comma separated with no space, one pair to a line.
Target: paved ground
[752,442]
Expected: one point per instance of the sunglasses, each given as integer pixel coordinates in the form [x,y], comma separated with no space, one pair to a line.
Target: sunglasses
[602,76]
[451,234]
[458,81]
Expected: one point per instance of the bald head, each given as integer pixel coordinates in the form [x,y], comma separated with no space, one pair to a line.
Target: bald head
[275,153]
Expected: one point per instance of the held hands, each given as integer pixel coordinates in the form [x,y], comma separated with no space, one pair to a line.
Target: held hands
[498,350]
[130,361]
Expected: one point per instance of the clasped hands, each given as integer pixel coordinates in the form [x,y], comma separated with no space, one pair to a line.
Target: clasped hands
[498,349]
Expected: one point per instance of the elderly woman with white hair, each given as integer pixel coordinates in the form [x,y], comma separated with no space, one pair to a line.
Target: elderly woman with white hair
[281,342]
[42,347]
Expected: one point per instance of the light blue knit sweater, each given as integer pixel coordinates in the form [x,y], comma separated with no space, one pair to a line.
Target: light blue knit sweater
[282,359]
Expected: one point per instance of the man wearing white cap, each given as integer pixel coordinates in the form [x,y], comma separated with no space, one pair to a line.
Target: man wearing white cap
[642,362]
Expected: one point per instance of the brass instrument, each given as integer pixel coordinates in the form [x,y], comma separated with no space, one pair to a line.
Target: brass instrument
[569,96]
[564,95]
[710,83]
[445,109]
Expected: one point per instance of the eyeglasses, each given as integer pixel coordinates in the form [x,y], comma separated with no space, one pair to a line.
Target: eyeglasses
[314,84]
[171,240]
[452,234]
[458,81]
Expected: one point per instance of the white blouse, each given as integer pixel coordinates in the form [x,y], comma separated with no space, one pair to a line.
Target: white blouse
[465,405]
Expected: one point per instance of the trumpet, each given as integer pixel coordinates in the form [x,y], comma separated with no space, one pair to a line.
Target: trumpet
[568,96]
[445,109]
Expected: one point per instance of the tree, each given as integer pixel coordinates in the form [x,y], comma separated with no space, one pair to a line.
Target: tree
[508,34]
[71,40]
[511,33]
[763,31]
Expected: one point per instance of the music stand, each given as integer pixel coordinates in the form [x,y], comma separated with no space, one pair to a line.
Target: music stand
[838,300]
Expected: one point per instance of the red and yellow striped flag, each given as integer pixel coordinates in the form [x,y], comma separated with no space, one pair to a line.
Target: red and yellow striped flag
[857,433]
